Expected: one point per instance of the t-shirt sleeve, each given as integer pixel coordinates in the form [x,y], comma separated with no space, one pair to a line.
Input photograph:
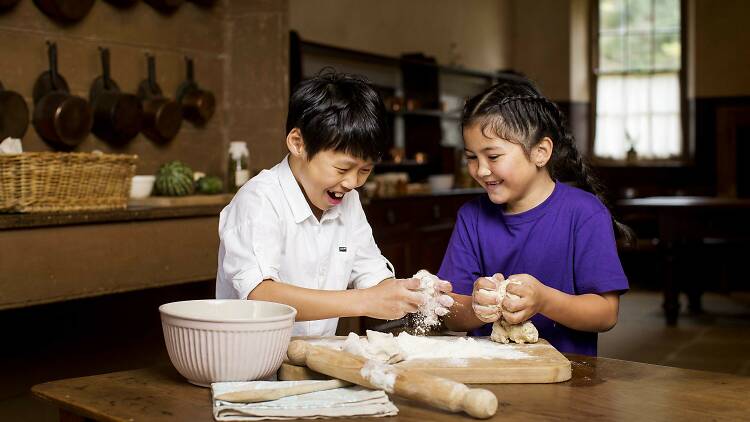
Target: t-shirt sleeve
[596,263]
[250,240]
[461,265]
[370,267]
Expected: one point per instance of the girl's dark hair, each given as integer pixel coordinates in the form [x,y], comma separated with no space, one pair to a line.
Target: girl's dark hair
[516,111]
[340,112]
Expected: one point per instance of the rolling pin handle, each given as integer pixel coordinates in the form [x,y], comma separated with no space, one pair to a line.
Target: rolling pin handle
[297,352]
[480,403]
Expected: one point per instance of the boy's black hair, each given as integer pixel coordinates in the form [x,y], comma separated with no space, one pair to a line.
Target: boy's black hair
[517,111]
[340,112]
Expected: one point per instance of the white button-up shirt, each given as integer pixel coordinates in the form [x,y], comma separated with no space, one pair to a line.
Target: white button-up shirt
[268,231]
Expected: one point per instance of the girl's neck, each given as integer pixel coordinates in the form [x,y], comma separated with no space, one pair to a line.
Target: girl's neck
[538,191]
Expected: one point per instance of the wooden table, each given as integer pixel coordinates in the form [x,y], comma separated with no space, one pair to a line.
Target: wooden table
[685,221]
[600,388]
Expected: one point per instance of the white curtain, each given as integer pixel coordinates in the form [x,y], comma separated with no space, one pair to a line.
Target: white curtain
[642,110]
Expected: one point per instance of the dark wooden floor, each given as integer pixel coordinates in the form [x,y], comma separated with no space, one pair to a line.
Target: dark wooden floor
[122,332]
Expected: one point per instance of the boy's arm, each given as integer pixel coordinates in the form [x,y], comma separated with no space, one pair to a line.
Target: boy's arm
[390,299]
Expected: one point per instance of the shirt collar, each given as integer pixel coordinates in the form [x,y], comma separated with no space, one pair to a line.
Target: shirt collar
[292,191]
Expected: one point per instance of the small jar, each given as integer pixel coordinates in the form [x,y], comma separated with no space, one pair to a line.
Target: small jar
[239,166]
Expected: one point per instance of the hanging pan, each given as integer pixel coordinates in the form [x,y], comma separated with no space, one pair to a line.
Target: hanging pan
[197,105]
[117,116]
[61,119]
[66,11]
[162,117]
[14,114]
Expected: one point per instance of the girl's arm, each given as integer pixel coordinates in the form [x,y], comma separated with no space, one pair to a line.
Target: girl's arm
[390,299]
[461,316]
[587,312]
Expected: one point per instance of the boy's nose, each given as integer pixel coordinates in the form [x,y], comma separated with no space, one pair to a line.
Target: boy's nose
[350,181]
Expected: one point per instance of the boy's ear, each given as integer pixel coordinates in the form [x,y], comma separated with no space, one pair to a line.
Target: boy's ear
[542,152]
[295,143]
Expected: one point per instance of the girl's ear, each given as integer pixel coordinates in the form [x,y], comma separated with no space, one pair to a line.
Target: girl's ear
[542,152]
[295,143]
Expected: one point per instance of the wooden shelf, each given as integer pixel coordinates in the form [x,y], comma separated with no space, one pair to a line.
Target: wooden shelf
[452,115]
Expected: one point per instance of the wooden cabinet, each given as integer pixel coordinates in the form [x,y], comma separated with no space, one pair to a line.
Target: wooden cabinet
[413,231]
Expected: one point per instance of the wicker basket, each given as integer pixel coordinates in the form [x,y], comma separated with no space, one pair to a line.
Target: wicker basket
[58,181]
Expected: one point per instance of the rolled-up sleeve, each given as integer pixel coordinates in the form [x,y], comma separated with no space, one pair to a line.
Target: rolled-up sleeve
[250,240]
[370,266]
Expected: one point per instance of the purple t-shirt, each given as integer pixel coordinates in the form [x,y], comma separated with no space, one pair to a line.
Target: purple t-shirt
[567,242]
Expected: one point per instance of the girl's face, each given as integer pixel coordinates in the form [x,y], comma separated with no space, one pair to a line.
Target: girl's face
[329,175]
[502,168]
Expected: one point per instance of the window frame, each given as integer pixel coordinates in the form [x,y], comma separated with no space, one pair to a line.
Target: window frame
[686,158]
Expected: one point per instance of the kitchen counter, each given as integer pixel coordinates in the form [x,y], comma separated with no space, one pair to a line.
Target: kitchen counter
[600,388]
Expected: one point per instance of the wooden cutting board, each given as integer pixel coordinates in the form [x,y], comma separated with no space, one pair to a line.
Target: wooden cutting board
[543,364]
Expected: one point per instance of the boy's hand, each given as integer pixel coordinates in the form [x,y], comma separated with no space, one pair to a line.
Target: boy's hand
[393,298]
[530,292]
[484,301]
[445,301]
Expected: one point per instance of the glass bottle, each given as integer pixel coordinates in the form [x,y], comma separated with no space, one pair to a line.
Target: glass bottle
[239,166]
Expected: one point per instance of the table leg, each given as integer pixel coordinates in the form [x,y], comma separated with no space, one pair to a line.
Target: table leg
[671,303]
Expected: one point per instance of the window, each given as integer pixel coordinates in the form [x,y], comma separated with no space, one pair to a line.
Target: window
[637,72]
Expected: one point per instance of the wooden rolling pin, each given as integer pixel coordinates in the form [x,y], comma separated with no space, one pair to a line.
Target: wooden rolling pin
[266,394]
[429,389]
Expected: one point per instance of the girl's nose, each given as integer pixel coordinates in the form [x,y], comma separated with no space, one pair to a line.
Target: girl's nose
[483,170]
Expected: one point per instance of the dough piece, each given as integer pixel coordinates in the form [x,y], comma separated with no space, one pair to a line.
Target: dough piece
[502,331]
[429,310]
[377,346]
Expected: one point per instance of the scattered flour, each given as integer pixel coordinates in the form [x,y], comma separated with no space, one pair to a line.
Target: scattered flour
[379,374]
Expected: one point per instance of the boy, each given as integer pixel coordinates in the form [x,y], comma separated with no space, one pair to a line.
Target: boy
[297,234]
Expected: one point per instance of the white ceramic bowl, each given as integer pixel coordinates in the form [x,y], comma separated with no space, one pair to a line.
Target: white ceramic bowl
[440,182]
[217,340]
[141,186]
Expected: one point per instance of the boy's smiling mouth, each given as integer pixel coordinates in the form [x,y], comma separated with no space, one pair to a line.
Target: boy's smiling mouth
[334,197]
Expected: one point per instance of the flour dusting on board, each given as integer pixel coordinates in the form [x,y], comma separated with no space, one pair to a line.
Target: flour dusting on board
[455,349]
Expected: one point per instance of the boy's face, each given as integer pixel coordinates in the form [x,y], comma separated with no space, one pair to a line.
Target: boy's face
[329,175]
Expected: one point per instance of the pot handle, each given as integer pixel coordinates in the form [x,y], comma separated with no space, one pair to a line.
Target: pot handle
[189,67]
[52,54]
[104,52]
[151,72]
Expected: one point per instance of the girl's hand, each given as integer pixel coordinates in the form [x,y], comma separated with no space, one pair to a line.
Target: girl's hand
[392,298]
[484,299]
[531,296]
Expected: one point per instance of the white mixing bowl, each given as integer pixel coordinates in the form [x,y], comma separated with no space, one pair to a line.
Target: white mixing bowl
[217,340]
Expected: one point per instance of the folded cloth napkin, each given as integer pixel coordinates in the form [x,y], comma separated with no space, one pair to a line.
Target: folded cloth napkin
[339,402]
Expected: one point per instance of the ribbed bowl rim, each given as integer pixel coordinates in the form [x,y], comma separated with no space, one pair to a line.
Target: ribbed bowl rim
[164,310]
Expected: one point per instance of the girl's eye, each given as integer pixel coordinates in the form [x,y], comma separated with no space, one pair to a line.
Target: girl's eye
[493,157]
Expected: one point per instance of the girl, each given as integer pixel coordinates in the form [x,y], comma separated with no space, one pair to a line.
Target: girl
[555,239]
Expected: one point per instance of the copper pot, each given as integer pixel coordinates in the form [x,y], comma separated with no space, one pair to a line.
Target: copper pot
[65,10]
[61,119]
[117,116]
[162,117]
[14,114]
[198,105]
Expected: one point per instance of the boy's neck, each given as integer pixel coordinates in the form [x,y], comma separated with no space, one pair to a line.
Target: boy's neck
[295,165]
